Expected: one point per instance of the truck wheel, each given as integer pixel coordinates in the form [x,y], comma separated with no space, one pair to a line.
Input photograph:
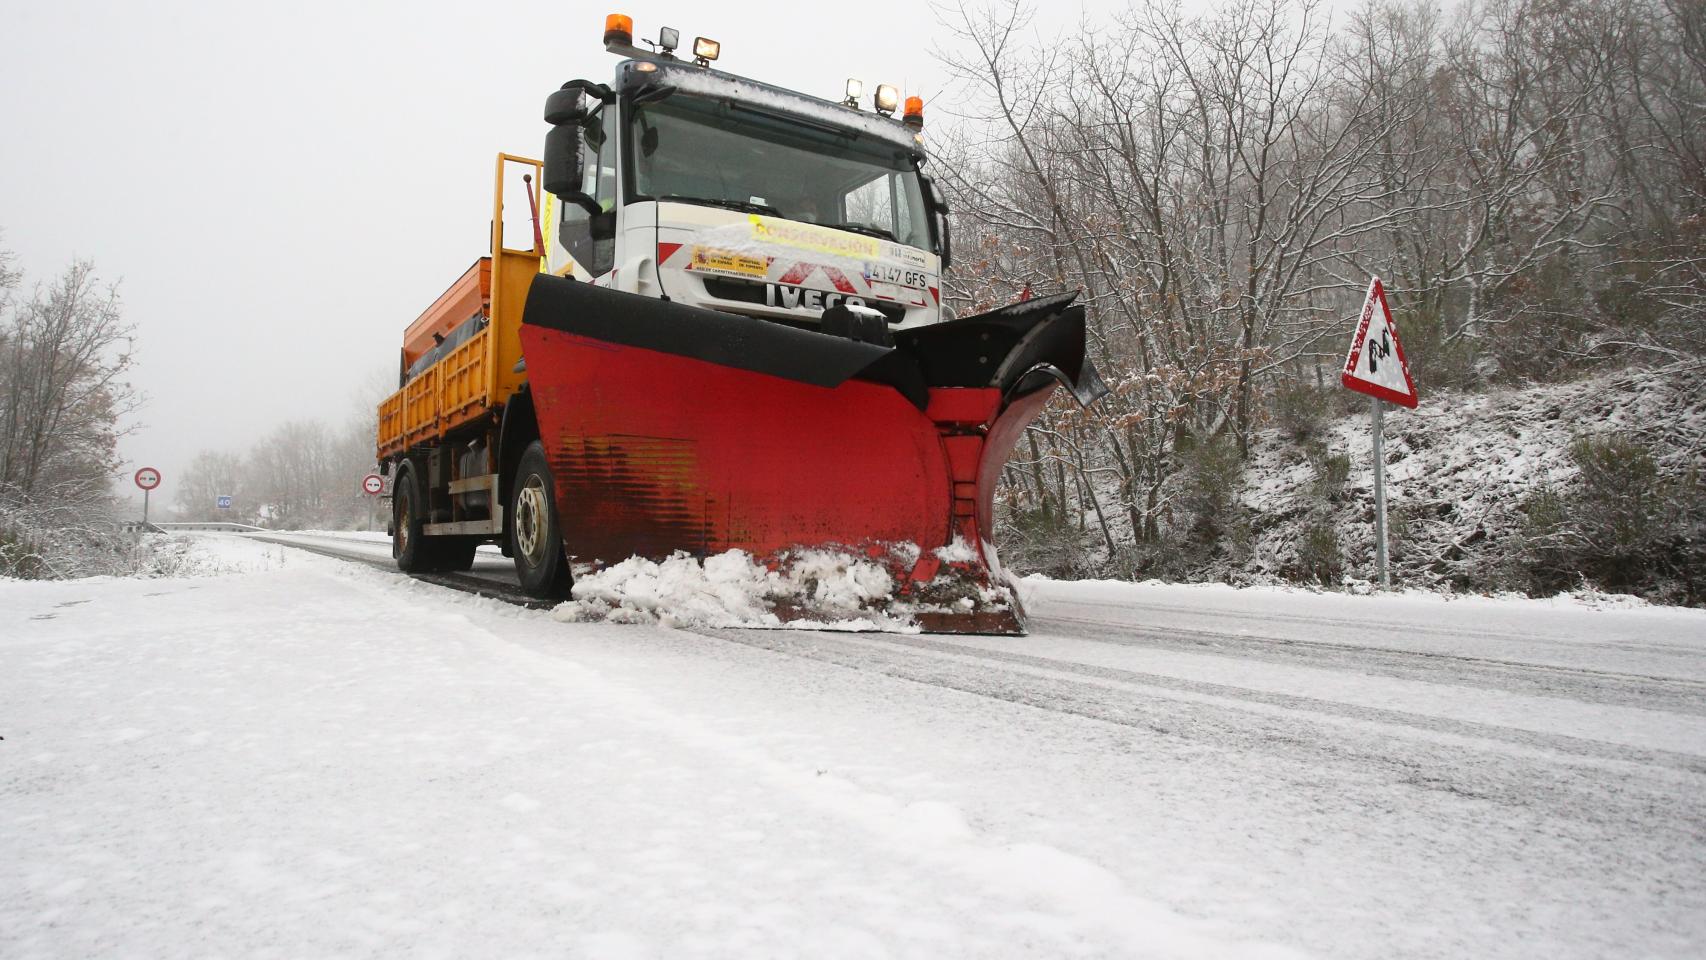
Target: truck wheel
[415,553]
[536,535]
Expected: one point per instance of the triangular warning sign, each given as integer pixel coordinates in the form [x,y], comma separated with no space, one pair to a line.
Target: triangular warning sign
[1376,364]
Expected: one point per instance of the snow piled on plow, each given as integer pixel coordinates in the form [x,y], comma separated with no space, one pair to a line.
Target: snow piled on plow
[807,589]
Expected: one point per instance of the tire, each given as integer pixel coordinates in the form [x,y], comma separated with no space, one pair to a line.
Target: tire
[536,535]
[415,553]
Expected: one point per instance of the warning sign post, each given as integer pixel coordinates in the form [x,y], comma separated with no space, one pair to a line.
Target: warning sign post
[1376,366]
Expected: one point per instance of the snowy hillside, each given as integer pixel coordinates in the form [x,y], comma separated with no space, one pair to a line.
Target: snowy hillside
[1458,471]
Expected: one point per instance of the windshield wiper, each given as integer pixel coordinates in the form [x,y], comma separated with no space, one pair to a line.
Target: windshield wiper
[865,229]
[746,205]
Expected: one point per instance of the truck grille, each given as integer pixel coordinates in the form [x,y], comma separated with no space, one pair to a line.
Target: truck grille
[748,291]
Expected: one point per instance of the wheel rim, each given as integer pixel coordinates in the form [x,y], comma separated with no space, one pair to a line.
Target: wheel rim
[532,518]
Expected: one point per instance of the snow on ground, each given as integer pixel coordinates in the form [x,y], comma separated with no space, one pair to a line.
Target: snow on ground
[311,757]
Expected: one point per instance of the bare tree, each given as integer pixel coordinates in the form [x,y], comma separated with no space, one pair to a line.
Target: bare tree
[1525,173]
[64,355]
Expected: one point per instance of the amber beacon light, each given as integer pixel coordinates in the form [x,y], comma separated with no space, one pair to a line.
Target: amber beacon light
[914,115]
[619,28]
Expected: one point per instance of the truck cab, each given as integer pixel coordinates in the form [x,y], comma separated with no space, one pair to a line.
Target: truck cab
[683,183]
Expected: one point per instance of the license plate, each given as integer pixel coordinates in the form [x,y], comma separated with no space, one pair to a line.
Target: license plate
[899,276]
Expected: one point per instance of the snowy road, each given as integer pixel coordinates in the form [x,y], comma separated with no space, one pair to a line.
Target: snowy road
[315,757]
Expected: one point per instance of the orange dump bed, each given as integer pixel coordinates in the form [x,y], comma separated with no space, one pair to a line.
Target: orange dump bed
[470,294]
[471,376]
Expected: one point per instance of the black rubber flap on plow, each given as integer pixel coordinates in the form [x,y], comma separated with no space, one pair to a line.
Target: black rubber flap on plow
[1016,348]
[726,339]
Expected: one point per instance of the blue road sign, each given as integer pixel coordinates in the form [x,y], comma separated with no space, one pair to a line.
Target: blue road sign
[224,503]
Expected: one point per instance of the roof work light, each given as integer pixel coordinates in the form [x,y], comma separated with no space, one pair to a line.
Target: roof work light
[854,89]
[668,39]
[888,97]
[705,50]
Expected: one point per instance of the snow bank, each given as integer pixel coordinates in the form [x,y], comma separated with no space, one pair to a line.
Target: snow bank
[805,589]
[153,556]
[220,554]
[818,588]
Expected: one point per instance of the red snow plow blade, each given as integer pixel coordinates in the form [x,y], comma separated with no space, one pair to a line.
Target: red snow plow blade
[674,428]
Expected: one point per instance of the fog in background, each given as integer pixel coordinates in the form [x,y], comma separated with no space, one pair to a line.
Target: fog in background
[282,188]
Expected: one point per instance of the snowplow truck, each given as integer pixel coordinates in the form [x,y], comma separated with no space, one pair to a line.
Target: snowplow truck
[725,334]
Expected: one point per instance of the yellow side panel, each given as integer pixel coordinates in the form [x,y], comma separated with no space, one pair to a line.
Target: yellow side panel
[390,425]
[512,273]
[462,381]
[420,407]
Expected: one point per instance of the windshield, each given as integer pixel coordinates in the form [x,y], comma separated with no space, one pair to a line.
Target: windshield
[723,153]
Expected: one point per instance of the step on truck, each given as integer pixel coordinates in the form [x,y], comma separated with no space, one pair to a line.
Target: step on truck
[724,332]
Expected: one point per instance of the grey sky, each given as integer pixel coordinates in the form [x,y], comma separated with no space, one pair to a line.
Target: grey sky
[283,187]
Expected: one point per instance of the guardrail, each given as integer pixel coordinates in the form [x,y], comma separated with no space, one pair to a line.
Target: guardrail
[209,526]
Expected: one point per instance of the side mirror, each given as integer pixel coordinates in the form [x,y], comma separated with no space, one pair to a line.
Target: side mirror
[565,106]
[565,110]
[568,105]
[938,205]
[562,174]
[938,202]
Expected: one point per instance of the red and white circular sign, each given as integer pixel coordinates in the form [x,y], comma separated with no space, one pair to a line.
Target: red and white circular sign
[148,478]
[372,483]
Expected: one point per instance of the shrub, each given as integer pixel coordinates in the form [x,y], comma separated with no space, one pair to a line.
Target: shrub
[62,540]
[1549,544]
[1213,472]
[1621,525]
[1036,540]
[1620,505]
[1332,472]
[1300,411]
[1318,556]
[1402,526]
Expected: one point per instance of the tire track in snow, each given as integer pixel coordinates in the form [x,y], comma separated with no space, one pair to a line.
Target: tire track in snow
[1362,626]
[481,584]
[1564,775]
[1582,684]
